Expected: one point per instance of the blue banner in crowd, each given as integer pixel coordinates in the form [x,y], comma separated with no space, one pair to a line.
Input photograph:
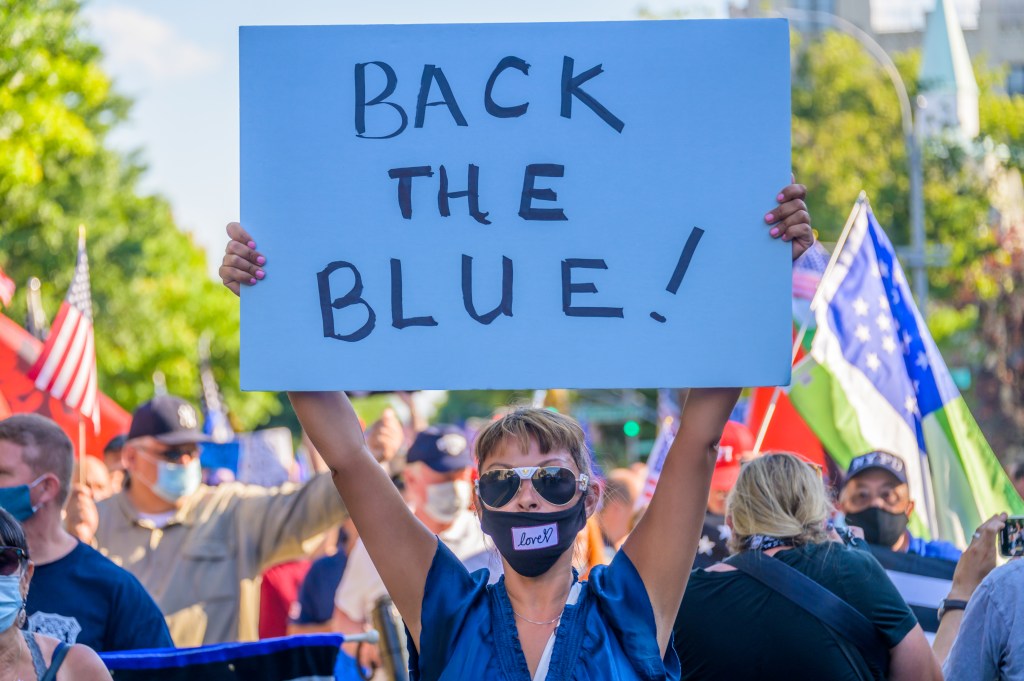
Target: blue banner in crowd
[315,657]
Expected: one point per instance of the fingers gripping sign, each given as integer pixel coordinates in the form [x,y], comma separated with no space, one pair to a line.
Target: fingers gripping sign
[242,263]
[790,220]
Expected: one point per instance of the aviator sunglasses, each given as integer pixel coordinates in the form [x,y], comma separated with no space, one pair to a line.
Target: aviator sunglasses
[555,484]
[12,560]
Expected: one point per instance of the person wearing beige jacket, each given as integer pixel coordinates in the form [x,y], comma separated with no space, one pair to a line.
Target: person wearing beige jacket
[200,550]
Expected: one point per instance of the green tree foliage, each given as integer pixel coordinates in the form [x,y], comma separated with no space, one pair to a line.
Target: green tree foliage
[848,136]
[152,296]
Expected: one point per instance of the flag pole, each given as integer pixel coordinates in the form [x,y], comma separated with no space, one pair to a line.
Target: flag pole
[81,450]
[81,421]
[858,206]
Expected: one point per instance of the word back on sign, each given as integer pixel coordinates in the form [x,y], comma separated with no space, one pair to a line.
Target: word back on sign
[516,206]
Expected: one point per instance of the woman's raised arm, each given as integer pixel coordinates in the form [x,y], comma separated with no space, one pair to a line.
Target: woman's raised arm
[399,545]
[664,543]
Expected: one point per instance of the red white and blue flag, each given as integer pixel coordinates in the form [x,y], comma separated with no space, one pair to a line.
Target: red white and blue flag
[66,368]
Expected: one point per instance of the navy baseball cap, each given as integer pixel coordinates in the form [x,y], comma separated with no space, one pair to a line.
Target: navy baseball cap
[169,420]
[885,461]
[444,448]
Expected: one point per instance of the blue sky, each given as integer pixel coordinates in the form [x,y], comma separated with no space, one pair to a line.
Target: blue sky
[179,60]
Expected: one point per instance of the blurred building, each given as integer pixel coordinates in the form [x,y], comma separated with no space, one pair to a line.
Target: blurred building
[997,36]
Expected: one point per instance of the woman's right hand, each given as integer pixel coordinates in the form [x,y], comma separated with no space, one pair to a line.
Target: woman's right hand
[242,263]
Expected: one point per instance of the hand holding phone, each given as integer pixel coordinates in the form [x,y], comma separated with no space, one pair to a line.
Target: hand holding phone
[1011,537]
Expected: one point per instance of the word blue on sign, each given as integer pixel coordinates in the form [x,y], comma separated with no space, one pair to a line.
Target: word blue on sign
[515,205]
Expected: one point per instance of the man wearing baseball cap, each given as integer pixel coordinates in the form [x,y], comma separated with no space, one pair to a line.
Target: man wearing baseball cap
[438,478]
[876,498]
[200,550]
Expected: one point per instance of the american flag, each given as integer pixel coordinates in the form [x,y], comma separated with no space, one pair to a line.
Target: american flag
[6,288]
[66,368]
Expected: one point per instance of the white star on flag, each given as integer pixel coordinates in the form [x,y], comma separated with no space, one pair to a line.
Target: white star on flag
[876,271]
[705,545]
[896,296]
[873,361]
[724,532]
[889,345]
[860,306]
[884,322]
[883,302]
[910,404]
[907,340]
[884,268]
[897,277]
[922,360]
[862,333]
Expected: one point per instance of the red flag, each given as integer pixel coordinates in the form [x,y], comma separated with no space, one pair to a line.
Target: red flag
[7,288]
[66,368]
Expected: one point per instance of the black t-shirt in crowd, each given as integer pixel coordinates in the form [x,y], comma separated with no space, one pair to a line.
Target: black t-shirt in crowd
[85,598]
[733,628]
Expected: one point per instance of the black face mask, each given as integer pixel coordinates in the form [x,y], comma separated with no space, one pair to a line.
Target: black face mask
[881,528]
[533,542]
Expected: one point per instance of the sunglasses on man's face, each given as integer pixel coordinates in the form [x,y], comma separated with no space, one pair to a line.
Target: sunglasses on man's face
[174,454]
[557,485]
[12,560]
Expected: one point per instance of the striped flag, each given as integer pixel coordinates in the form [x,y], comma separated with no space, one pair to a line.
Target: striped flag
[7,288]
[66,368]
[874,379]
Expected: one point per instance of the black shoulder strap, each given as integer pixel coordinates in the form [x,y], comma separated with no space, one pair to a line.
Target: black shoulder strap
[55,662]
[833,611]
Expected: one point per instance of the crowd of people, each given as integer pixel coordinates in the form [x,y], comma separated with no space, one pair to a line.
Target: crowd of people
[506,552]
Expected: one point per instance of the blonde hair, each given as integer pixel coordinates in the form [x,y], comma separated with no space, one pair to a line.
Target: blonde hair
[550,430]
[778,495]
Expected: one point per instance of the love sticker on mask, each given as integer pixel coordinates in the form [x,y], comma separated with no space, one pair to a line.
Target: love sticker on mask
[532,538]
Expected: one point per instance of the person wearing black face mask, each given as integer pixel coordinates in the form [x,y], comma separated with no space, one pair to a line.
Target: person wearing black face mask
[534,495]
[876,498]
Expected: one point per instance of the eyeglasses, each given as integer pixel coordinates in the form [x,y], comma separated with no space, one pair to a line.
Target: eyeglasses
[555,484]
[12,560]
[173,454]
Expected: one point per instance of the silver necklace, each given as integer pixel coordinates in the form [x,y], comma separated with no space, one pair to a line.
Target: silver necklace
[550,621]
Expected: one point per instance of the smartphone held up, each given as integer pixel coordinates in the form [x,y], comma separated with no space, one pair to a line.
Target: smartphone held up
[1011,537]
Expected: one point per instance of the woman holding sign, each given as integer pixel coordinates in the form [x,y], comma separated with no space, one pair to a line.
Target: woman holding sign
[535,493]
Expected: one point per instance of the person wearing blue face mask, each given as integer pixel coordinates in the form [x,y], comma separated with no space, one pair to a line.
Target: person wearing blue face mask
[80,596]
[26,655]
[200,550]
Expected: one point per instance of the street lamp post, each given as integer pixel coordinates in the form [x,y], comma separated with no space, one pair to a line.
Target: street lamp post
[916,256]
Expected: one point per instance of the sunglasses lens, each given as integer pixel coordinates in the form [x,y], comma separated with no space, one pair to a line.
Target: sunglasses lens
[178,453]
[10,561]
[498,487]
[557,485]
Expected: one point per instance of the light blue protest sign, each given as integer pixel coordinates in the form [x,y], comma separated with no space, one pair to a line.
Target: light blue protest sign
[515,206]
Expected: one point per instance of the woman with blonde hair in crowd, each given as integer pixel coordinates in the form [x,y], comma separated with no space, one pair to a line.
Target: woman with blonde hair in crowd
[796,600]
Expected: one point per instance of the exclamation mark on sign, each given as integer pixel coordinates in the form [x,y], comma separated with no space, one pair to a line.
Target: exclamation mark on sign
[684,262]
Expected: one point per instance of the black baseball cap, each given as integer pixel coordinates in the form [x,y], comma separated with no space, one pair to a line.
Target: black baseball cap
[444,448]
[879,460]
[169,420]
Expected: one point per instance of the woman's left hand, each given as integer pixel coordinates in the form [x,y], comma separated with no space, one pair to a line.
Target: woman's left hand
[790,220]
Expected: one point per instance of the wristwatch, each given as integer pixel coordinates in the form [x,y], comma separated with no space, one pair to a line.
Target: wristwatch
[947,604]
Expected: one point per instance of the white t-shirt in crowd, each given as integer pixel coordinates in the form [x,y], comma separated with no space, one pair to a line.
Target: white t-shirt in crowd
[361,586]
